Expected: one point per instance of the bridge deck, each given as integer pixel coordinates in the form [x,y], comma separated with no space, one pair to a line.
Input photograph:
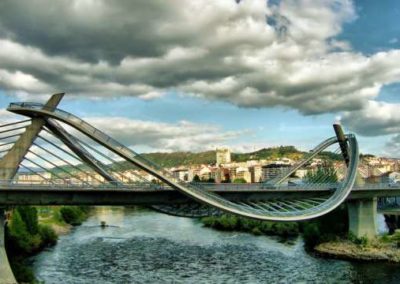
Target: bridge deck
[76,195]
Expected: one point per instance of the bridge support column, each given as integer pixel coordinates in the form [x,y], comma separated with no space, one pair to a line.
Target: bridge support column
[6,274]
[362,217]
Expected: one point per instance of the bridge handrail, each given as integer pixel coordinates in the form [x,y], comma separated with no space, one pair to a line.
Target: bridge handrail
[65,183]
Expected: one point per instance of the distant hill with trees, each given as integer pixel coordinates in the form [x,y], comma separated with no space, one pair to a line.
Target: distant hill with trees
[189,158]
[175,159]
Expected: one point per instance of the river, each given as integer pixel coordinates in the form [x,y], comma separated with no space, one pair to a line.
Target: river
[148,247]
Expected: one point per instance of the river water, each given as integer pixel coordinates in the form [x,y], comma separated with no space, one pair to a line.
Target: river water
[148,247]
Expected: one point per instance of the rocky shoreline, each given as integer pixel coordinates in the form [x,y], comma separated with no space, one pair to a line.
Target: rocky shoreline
[347,250]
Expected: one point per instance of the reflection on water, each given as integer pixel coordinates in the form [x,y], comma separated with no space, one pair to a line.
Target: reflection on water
[148,247]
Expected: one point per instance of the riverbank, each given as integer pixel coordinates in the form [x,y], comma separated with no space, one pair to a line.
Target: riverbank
[232,223]
[326,236]
[347,250]
[32,229]
[51,216]
[147,247]
[62,218]
[382,248]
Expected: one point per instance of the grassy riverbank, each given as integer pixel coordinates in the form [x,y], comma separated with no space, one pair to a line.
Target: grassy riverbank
[239,224]
[326,228]
[382,248]
[31,229]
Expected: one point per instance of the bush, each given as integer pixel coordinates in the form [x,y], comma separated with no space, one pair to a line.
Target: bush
[239,180]
[256,231]
[71,215]
[326,228]
[22,272]
[234,223]
[396,236]
[363,241]
[208,221]
[311,234]
[48,235]
[385,238]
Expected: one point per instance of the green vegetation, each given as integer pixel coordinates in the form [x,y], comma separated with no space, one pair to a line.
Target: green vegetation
[363,241]
[325,155]
[240,224]
[51,216]
[31,229]
[329,227]
[196,178]
[270,154]
[176,159]
[181,158]
[188,158]
[366,156]
[239,180]
[332,226]
[25,237]
[322,174]
[74,215]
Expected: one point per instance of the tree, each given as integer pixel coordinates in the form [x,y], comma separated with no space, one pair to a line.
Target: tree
[196,178]
[211,180]
[239,180]
[71,215]
[18,235]
[30,217]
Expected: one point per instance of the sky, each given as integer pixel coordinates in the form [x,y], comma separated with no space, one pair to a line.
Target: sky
[196,75]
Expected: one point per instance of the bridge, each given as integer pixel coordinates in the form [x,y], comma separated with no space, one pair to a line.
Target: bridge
[75,163]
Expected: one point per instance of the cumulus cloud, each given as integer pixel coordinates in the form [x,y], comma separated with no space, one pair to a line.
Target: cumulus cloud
[392,147]
[376,118]
[154,136]
[181,136]
[244,52]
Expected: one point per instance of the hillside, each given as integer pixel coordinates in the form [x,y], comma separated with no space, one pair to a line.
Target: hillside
[208,157]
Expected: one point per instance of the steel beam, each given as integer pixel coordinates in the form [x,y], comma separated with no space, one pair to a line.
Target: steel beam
[75,147]
[342,142]
[10,162]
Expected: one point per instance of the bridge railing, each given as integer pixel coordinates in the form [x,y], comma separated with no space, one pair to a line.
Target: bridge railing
[59,183]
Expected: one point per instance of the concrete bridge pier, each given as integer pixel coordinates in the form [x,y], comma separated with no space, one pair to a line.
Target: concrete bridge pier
[6,274]
[362,217]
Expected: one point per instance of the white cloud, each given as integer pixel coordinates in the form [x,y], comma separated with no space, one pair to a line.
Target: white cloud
[21,81]
[376,118]
[181,136]
[249,54]
[392,147]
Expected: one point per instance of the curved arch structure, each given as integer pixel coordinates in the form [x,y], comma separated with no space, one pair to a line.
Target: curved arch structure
[272,211]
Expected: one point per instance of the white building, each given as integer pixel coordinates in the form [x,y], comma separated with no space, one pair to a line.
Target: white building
[274,170]
[223,156]
[181,174]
